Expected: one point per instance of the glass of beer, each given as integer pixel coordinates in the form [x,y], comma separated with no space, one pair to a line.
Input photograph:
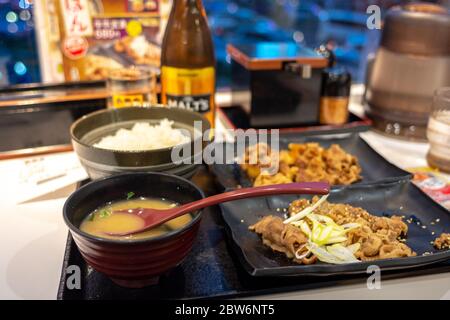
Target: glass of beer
[438,131]
[131,87]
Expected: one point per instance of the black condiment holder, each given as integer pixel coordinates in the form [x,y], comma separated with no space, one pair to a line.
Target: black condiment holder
[284,81]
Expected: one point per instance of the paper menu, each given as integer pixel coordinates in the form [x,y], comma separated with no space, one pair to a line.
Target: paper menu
[27,178]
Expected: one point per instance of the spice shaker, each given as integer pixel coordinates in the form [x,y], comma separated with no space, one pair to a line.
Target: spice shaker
[335,95]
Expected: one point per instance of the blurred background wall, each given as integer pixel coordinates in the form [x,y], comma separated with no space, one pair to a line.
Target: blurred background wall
[341,23]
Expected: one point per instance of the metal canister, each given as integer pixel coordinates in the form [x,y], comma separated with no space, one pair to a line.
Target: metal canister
[412,62]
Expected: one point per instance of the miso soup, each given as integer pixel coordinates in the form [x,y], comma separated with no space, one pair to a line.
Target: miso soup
[103,220]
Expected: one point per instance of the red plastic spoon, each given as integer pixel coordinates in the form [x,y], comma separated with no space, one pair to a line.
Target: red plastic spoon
[156,217]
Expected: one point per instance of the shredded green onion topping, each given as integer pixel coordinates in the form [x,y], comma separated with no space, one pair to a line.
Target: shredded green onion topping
[325,237]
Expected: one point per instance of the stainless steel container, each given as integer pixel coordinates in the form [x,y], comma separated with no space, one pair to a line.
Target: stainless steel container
[412,62]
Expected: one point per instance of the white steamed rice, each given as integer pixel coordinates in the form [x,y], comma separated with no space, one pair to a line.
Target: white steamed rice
[143,136]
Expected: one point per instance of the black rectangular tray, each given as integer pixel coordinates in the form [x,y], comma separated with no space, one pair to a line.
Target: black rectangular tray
[236,118]
[422,215]
[48,123]
[211,270]
[46,110]
[374,167]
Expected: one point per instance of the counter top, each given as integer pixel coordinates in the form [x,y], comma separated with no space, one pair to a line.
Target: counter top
[33,237]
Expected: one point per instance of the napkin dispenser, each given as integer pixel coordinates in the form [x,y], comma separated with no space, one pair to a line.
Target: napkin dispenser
[284,82]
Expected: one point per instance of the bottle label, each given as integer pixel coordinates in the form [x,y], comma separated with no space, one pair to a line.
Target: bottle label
[198,103]
[191,89]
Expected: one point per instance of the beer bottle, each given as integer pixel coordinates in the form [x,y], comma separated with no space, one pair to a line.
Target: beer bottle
[187,60]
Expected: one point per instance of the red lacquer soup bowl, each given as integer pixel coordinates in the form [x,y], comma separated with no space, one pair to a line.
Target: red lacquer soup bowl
[133,263]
